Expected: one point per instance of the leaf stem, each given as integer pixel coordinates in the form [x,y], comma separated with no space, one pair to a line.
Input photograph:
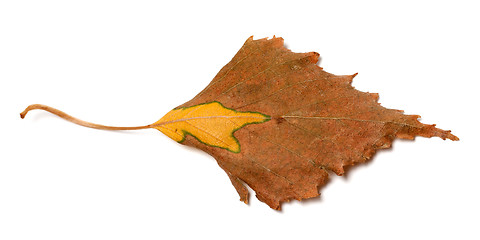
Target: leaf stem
[76,120]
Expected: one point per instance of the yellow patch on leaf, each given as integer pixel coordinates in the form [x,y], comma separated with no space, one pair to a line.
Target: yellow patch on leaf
[210,123]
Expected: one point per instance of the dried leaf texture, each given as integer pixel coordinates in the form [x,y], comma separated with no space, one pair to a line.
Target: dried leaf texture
[320,123]
[277,122]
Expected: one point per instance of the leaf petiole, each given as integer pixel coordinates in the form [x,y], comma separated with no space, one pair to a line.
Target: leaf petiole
[76,120]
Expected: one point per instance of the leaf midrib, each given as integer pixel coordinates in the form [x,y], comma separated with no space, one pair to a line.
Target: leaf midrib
[349,119]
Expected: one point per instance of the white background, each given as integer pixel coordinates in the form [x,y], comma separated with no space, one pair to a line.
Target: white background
[127,63]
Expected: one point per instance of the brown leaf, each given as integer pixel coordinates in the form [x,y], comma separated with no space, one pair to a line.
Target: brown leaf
[319,122]
[277,122]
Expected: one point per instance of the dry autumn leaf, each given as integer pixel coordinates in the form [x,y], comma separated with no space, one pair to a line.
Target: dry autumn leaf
[275,121]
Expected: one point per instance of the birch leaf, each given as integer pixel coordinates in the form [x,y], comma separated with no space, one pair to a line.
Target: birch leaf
[276,121]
